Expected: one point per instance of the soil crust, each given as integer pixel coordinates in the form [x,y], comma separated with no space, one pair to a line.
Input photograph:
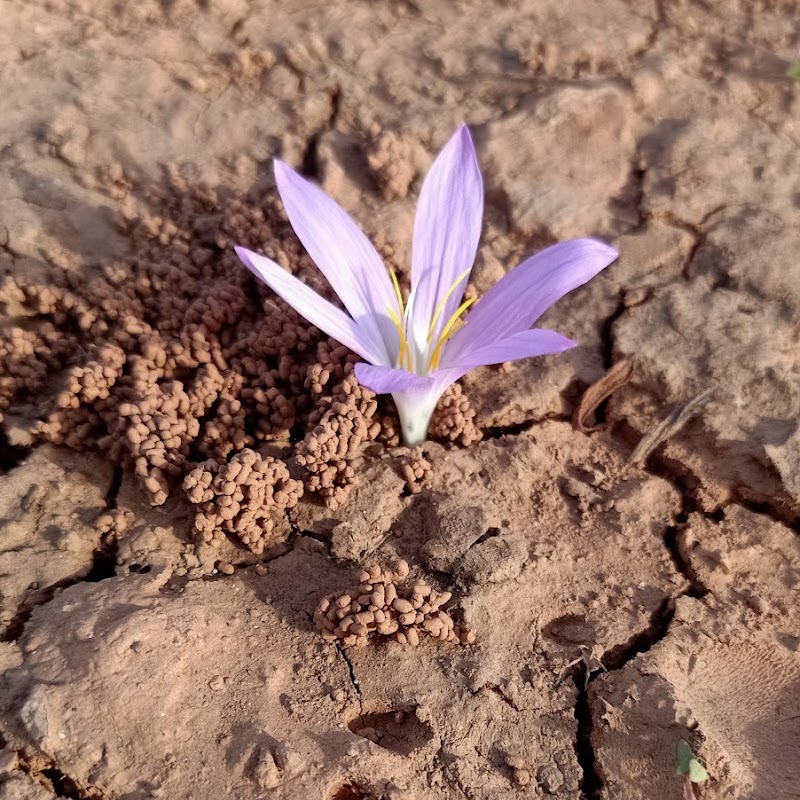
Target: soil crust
[204,518]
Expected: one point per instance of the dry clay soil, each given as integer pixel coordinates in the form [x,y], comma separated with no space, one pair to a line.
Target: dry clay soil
[617,607]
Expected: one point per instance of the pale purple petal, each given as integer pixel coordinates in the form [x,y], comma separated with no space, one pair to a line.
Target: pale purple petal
[517,300]
[317,310]
[342,252]
[386,380]
[447,228]
[525,344]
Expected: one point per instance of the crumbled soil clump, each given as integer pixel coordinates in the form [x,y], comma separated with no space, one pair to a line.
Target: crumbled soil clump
[241,497]
[386,603]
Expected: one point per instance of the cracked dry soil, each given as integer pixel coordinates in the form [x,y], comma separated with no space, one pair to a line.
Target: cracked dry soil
[158,639]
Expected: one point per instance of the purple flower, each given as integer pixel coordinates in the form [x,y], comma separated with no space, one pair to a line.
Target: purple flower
[415,349]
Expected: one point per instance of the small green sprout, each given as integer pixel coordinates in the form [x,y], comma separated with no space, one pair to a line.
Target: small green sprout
[793,71]
[690,767]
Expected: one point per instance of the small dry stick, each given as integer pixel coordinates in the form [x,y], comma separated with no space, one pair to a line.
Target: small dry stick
[590,662]
[669,427]
[614,379]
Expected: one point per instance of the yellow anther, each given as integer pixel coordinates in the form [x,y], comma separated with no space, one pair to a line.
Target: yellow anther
[448,331]
[440,307]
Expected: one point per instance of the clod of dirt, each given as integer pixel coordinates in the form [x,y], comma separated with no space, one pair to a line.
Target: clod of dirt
[63,493]
[570,629]
[401,731]
[451,528]
[386,603]
[375,500]
[520,775]
[243,497]
[388,156]
[113,522]
[19,786]
[497,559]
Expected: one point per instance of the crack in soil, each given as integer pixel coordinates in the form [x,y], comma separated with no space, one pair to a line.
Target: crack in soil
[499,431]
[310,160]
[11,455]
[614,659]
[114,487]
[607,331]
[352,673]
[687,483]
[54,780]
[498,690]
[774,511]
[104,565]
[617,657]
[516,428]
[591,783]
[697,589]
[695,230]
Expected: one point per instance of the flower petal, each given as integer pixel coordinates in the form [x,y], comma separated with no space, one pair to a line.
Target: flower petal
[525,344]
[517,300]
[447,228]
[343,254]
[317,310]
[385,380]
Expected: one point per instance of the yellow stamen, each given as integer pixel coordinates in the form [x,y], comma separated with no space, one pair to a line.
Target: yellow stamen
[397,291]
[441,305]
[448,331]
[404,354]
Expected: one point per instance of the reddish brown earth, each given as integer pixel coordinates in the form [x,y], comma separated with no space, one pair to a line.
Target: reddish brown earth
[158,628]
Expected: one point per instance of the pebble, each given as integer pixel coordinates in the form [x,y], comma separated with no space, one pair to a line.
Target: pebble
[522,777]
[515,761]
